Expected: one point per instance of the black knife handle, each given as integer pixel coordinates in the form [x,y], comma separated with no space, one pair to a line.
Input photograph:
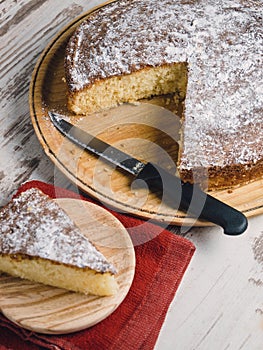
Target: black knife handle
[188,197]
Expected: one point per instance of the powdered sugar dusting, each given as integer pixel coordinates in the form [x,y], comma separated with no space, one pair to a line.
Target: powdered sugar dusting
[223,107]
[34,225]
[123,37]
[221,42]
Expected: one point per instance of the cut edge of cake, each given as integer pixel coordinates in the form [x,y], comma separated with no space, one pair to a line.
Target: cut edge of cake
[85,281]
[144,83]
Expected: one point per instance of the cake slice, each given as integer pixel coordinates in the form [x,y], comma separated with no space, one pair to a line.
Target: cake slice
[39,242]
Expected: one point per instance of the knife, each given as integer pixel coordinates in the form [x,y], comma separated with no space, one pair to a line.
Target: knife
[181,195]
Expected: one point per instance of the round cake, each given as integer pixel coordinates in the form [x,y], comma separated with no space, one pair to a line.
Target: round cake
[207,52]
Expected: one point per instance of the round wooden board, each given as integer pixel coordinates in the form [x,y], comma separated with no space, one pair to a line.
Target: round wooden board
[148,133]
[51,310]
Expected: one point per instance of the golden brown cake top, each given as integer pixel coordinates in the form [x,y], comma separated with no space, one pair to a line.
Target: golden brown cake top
[34,225]
[221,42]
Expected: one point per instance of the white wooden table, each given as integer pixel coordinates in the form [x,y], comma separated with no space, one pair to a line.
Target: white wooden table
[219,304]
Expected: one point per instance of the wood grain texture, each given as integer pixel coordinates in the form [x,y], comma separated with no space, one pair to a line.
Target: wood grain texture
[146,132]
[52,310]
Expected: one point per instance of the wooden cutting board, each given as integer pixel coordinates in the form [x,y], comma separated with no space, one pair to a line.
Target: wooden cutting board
[147,134]
[51,310]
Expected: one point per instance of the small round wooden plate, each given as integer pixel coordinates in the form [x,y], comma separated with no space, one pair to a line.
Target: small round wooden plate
[148,133]
[51,310]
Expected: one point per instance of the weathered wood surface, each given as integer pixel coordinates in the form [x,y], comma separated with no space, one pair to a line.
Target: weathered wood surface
[219,304]
[26,28]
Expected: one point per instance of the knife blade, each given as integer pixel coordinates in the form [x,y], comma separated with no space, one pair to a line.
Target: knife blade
[180,195]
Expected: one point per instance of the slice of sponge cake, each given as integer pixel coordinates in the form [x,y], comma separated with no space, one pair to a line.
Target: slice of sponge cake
[39,242]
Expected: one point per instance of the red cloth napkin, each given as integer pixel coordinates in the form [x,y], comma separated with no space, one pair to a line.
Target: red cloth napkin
[160,266]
